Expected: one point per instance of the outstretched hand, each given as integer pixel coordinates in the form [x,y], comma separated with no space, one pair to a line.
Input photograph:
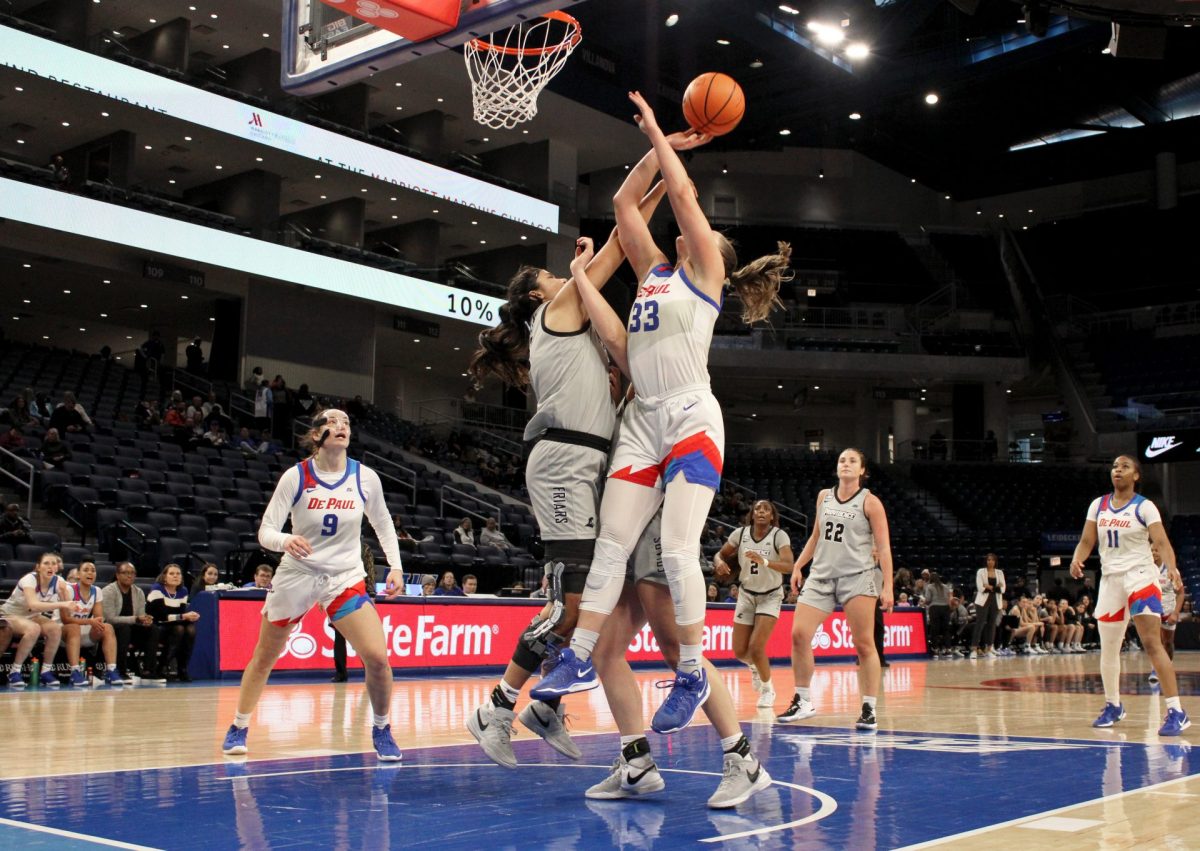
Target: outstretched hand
[686,140]
[645,118]
[585,250]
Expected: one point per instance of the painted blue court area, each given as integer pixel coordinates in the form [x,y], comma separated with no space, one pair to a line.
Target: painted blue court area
[834,788]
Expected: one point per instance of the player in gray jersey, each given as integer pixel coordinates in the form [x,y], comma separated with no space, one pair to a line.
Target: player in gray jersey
[546,342]
[761,553]
[849,527]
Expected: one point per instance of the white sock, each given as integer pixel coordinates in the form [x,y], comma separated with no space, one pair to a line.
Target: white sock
[629,740]
[110,666]
[728,742]
[690,656]
[509,692]
[869,700]
[802,692]
[240,720]
[380,721]
[583,642]
[1173,703]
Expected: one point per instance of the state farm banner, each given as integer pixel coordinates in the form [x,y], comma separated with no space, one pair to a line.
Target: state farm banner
[459,635]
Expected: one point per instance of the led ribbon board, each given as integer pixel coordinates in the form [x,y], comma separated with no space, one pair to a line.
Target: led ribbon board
[159,235]
[70,67]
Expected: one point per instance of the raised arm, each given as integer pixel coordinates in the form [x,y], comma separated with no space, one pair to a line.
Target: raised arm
[608,325]
[636,240]
[707,267]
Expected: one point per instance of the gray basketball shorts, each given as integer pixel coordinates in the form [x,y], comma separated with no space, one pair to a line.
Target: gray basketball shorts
[646,563]
[564,488]
[1169,601]
[825,594]
[750,605]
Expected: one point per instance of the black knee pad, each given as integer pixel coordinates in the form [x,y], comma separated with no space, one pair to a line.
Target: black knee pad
[576,556]
[529,652]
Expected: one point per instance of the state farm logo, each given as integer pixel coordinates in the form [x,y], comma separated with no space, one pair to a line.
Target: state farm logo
[717,638]
[1161,445]
[301,645]
[821,640]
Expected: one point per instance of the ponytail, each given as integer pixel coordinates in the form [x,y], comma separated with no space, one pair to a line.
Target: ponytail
[757,283]
[504,350]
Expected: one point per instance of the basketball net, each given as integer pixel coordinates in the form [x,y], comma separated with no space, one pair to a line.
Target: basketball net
[509,70]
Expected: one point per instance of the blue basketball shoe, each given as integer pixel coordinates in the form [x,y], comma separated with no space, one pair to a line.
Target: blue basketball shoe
[1175,723]
[1111,715]
[78,677]
[385,745]
[688,693]
[235,740]
[570,675]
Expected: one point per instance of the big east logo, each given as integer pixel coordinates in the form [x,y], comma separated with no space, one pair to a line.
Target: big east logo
[317,503]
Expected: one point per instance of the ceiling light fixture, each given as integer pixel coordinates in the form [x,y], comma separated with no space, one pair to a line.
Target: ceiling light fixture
[855,116]
[672,20]
[932,98]
[857,50]
[724,42]
[784,132]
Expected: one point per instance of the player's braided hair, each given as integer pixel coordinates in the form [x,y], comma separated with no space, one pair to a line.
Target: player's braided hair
[504,350]
[757,283]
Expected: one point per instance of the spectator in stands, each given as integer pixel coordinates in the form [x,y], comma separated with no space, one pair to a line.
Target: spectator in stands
[253,381]
[246,444]
[542,592]
[196,407]
[209,579]
[734,590]
[1024,631]
[463,533]
[428,585]
[937,445]
[713,593]
[69,416]
[59,173]
[174,625]
[937,608]
[263,574]
[15,529]
[448,587]
[470,585]
[149,354]
[357,409]
[125,607]
[960,620]
[1087,619]
[176,420]
[1047,613]
[215,413]
[216,433]
[264,407]
[54,451]
[73,575]
[989,592]
[195,357]
[146,414]
[18,412]
[990,446]
[30,613]
[401,532]
[491,536]
[197,431]
[41,408]
[281,408]
[711,537]
[306,405]
[13,440]
[1072,635]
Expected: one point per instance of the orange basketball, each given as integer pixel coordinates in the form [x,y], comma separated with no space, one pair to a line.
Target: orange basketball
[713,103]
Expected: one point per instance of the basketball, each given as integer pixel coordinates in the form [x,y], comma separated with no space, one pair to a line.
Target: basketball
[713,103]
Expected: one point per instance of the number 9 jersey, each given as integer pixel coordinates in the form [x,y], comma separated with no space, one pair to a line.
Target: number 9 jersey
[1123,534]
[327,510]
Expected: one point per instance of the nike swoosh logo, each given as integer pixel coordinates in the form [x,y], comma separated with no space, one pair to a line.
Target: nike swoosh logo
[482,725]
[689,407]
[634,779]
[1151,452]
[753,775]
[585,672]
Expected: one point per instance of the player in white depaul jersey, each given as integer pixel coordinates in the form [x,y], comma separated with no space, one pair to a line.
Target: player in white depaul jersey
[326,497]
[1125,524]
[1171,585]
[32,612]
[672,437]
[84,626]
[762,554]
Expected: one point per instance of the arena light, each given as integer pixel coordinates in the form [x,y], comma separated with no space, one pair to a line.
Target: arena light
[827,34]
[857,50]
[932,98]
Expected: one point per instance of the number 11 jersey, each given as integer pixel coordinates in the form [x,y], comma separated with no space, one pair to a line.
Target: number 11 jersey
[670,331]
[1123,534]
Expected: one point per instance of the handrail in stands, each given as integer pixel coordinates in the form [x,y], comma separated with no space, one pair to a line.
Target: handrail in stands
[473,497]
[385,467]
[793,514]
[28,484]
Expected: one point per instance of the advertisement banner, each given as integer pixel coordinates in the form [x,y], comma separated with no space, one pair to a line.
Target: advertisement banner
[449,635]
[1166,445]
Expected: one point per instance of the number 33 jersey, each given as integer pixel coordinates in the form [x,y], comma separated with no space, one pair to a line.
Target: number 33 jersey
[670,331]
[1123,534]
[327,510]
[844,539]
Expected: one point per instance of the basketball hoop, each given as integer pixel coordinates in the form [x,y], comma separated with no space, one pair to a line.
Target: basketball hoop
[509,72]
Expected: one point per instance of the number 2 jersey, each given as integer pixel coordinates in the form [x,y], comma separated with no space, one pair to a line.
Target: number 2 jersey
[844,539]
[327,510]
[1123,534]
[752,577]
[670,332]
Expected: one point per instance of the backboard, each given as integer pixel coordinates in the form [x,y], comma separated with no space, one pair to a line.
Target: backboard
[325,47]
